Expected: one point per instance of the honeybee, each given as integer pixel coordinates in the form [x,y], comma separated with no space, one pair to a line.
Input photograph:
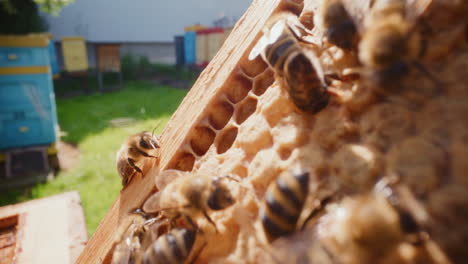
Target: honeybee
[188,196]
[339,27]
[134,149]
[366,228]
[283,204]
[128,250]
[299,68]
[391,44]
[173,247]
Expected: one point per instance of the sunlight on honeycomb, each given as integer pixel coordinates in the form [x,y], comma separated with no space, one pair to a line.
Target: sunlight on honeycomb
[252,130]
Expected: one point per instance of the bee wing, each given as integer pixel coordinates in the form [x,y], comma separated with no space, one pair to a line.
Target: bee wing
[316,63]
[415,8]
[151,205]
[304,34]
[259,47]
[269,37]
[165,177]
[121,254]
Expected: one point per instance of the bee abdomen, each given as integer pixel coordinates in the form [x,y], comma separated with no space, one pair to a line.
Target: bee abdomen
[172,248]
[277,52]
[283,204]
[304,85]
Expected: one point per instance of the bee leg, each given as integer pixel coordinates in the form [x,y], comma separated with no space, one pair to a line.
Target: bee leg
[132,163]
[192,224]
[145,154]
[329,77]
[172,222]
[316,211]
[350,77]
[197,254]
[126,180]
[210,220]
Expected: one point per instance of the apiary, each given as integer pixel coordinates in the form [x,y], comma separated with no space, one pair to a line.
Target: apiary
[375,172]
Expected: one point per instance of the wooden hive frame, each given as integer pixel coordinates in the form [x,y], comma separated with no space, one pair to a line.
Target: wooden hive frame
[349,147]
[200,102]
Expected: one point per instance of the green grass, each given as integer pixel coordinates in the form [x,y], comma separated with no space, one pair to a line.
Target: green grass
[85,120]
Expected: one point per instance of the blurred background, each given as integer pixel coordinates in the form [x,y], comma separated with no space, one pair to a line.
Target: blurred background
[78,77]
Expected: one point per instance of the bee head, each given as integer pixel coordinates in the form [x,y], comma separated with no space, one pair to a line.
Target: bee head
[148,141]
[220,196]
[343,35]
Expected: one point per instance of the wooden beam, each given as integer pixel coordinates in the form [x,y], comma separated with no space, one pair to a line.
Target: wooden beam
[49,230]
[192,110]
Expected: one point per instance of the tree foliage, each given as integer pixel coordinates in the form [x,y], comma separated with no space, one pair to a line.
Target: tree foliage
[20,17]
[52,6]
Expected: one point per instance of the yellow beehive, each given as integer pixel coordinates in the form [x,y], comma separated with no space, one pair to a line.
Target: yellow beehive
[195,27]
[226,33]
[201,47]
[215,40]
[74,54]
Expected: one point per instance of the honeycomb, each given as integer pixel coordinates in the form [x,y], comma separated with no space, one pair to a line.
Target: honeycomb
[254,132]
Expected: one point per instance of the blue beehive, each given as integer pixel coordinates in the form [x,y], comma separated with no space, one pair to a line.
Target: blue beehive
[53,57]
[179,48]
[189,47]
[27,102]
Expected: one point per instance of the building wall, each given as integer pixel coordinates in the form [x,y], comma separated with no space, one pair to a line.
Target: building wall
[158,53]
[139,21]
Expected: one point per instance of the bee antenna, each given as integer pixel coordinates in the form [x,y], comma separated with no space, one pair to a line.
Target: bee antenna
[140,212]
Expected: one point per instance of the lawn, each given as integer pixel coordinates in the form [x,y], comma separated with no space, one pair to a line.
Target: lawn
[84,121]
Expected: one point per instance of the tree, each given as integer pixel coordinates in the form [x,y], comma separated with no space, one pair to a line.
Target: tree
[22,16]
[52,6]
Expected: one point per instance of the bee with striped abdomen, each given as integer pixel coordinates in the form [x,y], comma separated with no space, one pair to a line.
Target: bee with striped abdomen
[129,248]
[391,43]
[135,149]
[189,195]
[298,67]
[174,247]
[283,204]
[339,27]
